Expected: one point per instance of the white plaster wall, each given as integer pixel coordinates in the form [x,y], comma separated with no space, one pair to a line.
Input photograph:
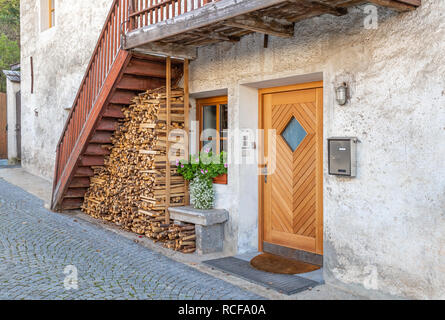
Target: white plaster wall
[60,57]
[384,230]
[11,89]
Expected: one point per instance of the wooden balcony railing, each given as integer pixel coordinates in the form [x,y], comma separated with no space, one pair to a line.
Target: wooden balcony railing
[123,16]
[148,12]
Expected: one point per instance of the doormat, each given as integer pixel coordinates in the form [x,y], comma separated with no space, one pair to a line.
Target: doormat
[5,165]
[275,264]
[283,283]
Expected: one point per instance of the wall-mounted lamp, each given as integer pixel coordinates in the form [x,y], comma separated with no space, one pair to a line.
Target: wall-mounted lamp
[341,94]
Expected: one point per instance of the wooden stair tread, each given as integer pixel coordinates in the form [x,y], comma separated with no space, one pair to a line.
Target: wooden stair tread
[114,111]
[146,68]
[80,183]
[84,172]
[75,193]
[101,137]
[139,83]
[96,149]
[107,125]
[72,203]
[123,97]
[87,161]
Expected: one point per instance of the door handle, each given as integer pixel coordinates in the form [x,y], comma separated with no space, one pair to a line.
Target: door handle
[265,174]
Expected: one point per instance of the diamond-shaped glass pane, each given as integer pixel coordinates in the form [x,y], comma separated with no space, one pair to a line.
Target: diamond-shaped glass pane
[294,134]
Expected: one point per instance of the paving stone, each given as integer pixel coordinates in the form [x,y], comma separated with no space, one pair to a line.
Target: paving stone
[36,245]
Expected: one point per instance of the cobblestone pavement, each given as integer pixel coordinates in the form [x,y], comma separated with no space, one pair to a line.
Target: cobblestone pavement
[36,246]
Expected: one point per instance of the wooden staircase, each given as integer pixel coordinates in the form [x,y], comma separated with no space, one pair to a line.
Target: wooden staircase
[113,78]
[138,74]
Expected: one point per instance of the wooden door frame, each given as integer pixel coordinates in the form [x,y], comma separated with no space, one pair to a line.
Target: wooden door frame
[296,87]
[5,128]
[18,123]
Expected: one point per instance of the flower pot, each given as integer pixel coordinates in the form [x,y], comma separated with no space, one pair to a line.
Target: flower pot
[222,179]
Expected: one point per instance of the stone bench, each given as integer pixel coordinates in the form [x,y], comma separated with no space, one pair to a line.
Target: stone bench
[209,226]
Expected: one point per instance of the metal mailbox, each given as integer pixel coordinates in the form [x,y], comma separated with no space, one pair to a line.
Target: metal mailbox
[343,156]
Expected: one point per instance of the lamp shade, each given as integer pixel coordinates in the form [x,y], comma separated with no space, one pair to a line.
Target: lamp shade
[341,94]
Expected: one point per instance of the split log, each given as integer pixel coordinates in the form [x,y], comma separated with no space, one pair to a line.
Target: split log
[130,188]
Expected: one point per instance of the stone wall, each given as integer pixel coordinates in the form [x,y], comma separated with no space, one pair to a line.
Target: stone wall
[384,230]
[60,57]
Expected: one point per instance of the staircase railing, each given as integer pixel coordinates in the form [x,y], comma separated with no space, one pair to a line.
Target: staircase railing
[102,59]
[124,15]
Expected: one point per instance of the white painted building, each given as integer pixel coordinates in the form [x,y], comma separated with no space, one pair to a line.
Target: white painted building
[381,233]
[60,55]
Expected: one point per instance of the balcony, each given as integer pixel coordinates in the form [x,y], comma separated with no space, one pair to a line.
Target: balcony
[176,28]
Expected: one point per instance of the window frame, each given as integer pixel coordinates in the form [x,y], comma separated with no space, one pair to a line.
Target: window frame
[51,10]
[214,101]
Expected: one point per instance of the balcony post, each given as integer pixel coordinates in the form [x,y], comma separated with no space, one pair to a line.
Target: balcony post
[168,127]
[131,10]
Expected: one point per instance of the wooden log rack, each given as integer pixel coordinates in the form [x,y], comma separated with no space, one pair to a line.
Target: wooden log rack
[168,128]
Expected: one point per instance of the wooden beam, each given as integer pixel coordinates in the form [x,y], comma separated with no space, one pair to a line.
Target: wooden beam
[187,123]
[416,3]
[321,7]
[264,25]
[32,75]
[398,5]
[168,169]
[215,36]
[168,50]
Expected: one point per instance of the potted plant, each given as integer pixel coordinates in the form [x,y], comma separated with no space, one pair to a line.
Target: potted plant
[200,170]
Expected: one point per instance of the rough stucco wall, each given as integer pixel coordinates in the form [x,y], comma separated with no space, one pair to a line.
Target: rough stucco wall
[383,230]
[60,56]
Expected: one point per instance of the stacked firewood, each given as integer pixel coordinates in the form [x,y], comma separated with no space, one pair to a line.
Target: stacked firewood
[130,190]
[181,238]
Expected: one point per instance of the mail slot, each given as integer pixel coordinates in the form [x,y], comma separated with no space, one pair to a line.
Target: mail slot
[343,156]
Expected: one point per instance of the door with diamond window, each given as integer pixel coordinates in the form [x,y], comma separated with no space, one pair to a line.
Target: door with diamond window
[292,199]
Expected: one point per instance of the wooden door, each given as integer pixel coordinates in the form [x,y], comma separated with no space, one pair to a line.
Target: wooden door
[18,126]
[3,127]
[292,191]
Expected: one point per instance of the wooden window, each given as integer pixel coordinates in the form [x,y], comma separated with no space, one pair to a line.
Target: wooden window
[213,124]
[51,13]
[212,114]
